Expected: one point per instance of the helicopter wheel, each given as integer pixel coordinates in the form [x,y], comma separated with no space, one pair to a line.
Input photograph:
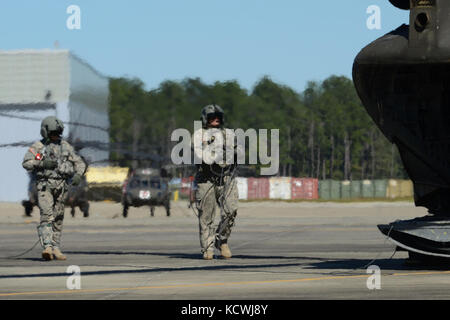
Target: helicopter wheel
[85,210]
[167,205]
[28,209]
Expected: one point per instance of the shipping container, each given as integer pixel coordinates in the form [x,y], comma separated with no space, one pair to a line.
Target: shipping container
[335,190]
[242,188]
[280,188]
[304,188]
[399,189]
[324,189]
[346,189]
[355,189]
[367,189]
[393,189]
[380,188]
[186,185]
[406,188]
[330,189]
[258,188]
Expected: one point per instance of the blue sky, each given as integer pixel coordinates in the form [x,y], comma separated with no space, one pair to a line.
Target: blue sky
[292,41]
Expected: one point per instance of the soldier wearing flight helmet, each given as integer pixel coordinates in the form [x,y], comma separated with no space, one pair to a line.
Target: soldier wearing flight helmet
[53,161]
[214,183]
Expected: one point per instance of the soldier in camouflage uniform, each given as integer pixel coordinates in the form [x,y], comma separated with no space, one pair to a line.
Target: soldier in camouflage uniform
[214,186]
[53,161]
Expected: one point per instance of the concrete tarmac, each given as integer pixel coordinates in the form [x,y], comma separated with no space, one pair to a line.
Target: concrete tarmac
[305,250]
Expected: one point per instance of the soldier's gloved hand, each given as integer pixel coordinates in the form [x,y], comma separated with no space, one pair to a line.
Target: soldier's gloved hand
[76,179]
[49,164]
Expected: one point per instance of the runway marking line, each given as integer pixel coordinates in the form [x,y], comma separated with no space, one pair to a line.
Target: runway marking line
[214,284]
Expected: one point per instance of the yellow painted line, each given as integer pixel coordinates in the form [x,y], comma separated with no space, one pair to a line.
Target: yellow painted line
[424,273]
[197,285]
[178,286]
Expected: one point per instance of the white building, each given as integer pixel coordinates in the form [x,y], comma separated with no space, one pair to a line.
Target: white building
[35,84]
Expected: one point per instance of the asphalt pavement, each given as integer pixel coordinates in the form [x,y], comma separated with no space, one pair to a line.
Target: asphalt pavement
[280,251]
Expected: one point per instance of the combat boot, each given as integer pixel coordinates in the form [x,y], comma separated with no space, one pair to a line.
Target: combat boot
[208,254]
[58,254]
[225,251]
[47,254]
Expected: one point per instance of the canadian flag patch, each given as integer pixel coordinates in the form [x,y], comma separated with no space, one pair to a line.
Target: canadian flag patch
[38,156]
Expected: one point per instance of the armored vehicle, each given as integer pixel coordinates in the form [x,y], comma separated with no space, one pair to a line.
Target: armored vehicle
[146,187]
[77,196]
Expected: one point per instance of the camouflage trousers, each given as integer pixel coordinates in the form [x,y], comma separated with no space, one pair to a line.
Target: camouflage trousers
[51,206]
[208,196]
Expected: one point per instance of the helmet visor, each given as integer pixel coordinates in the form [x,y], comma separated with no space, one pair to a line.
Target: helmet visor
[57,132]
[212,116]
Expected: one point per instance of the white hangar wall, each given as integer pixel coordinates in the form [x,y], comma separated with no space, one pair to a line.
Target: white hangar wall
[35,84]
[88,110]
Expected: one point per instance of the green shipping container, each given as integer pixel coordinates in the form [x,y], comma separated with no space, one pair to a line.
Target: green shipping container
[329,189]
[355,189]
[335,190]
[346,189]
[368,190]
[325,189]
[380,188]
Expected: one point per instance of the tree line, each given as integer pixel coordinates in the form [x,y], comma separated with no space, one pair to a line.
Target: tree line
[325,131]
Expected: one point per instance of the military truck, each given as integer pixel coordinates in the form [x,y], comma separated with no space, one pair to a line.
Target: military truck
[146,187]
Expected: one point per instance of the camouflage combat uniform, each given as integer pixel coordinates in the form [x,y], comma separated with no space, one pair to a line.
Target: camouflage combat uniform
[52,185]
[214,187]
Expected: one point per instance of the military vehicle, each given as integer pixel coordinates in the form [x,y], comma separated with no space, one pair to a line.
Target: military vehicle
[146,187]
[32,196]
[403,80]
[76,197]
